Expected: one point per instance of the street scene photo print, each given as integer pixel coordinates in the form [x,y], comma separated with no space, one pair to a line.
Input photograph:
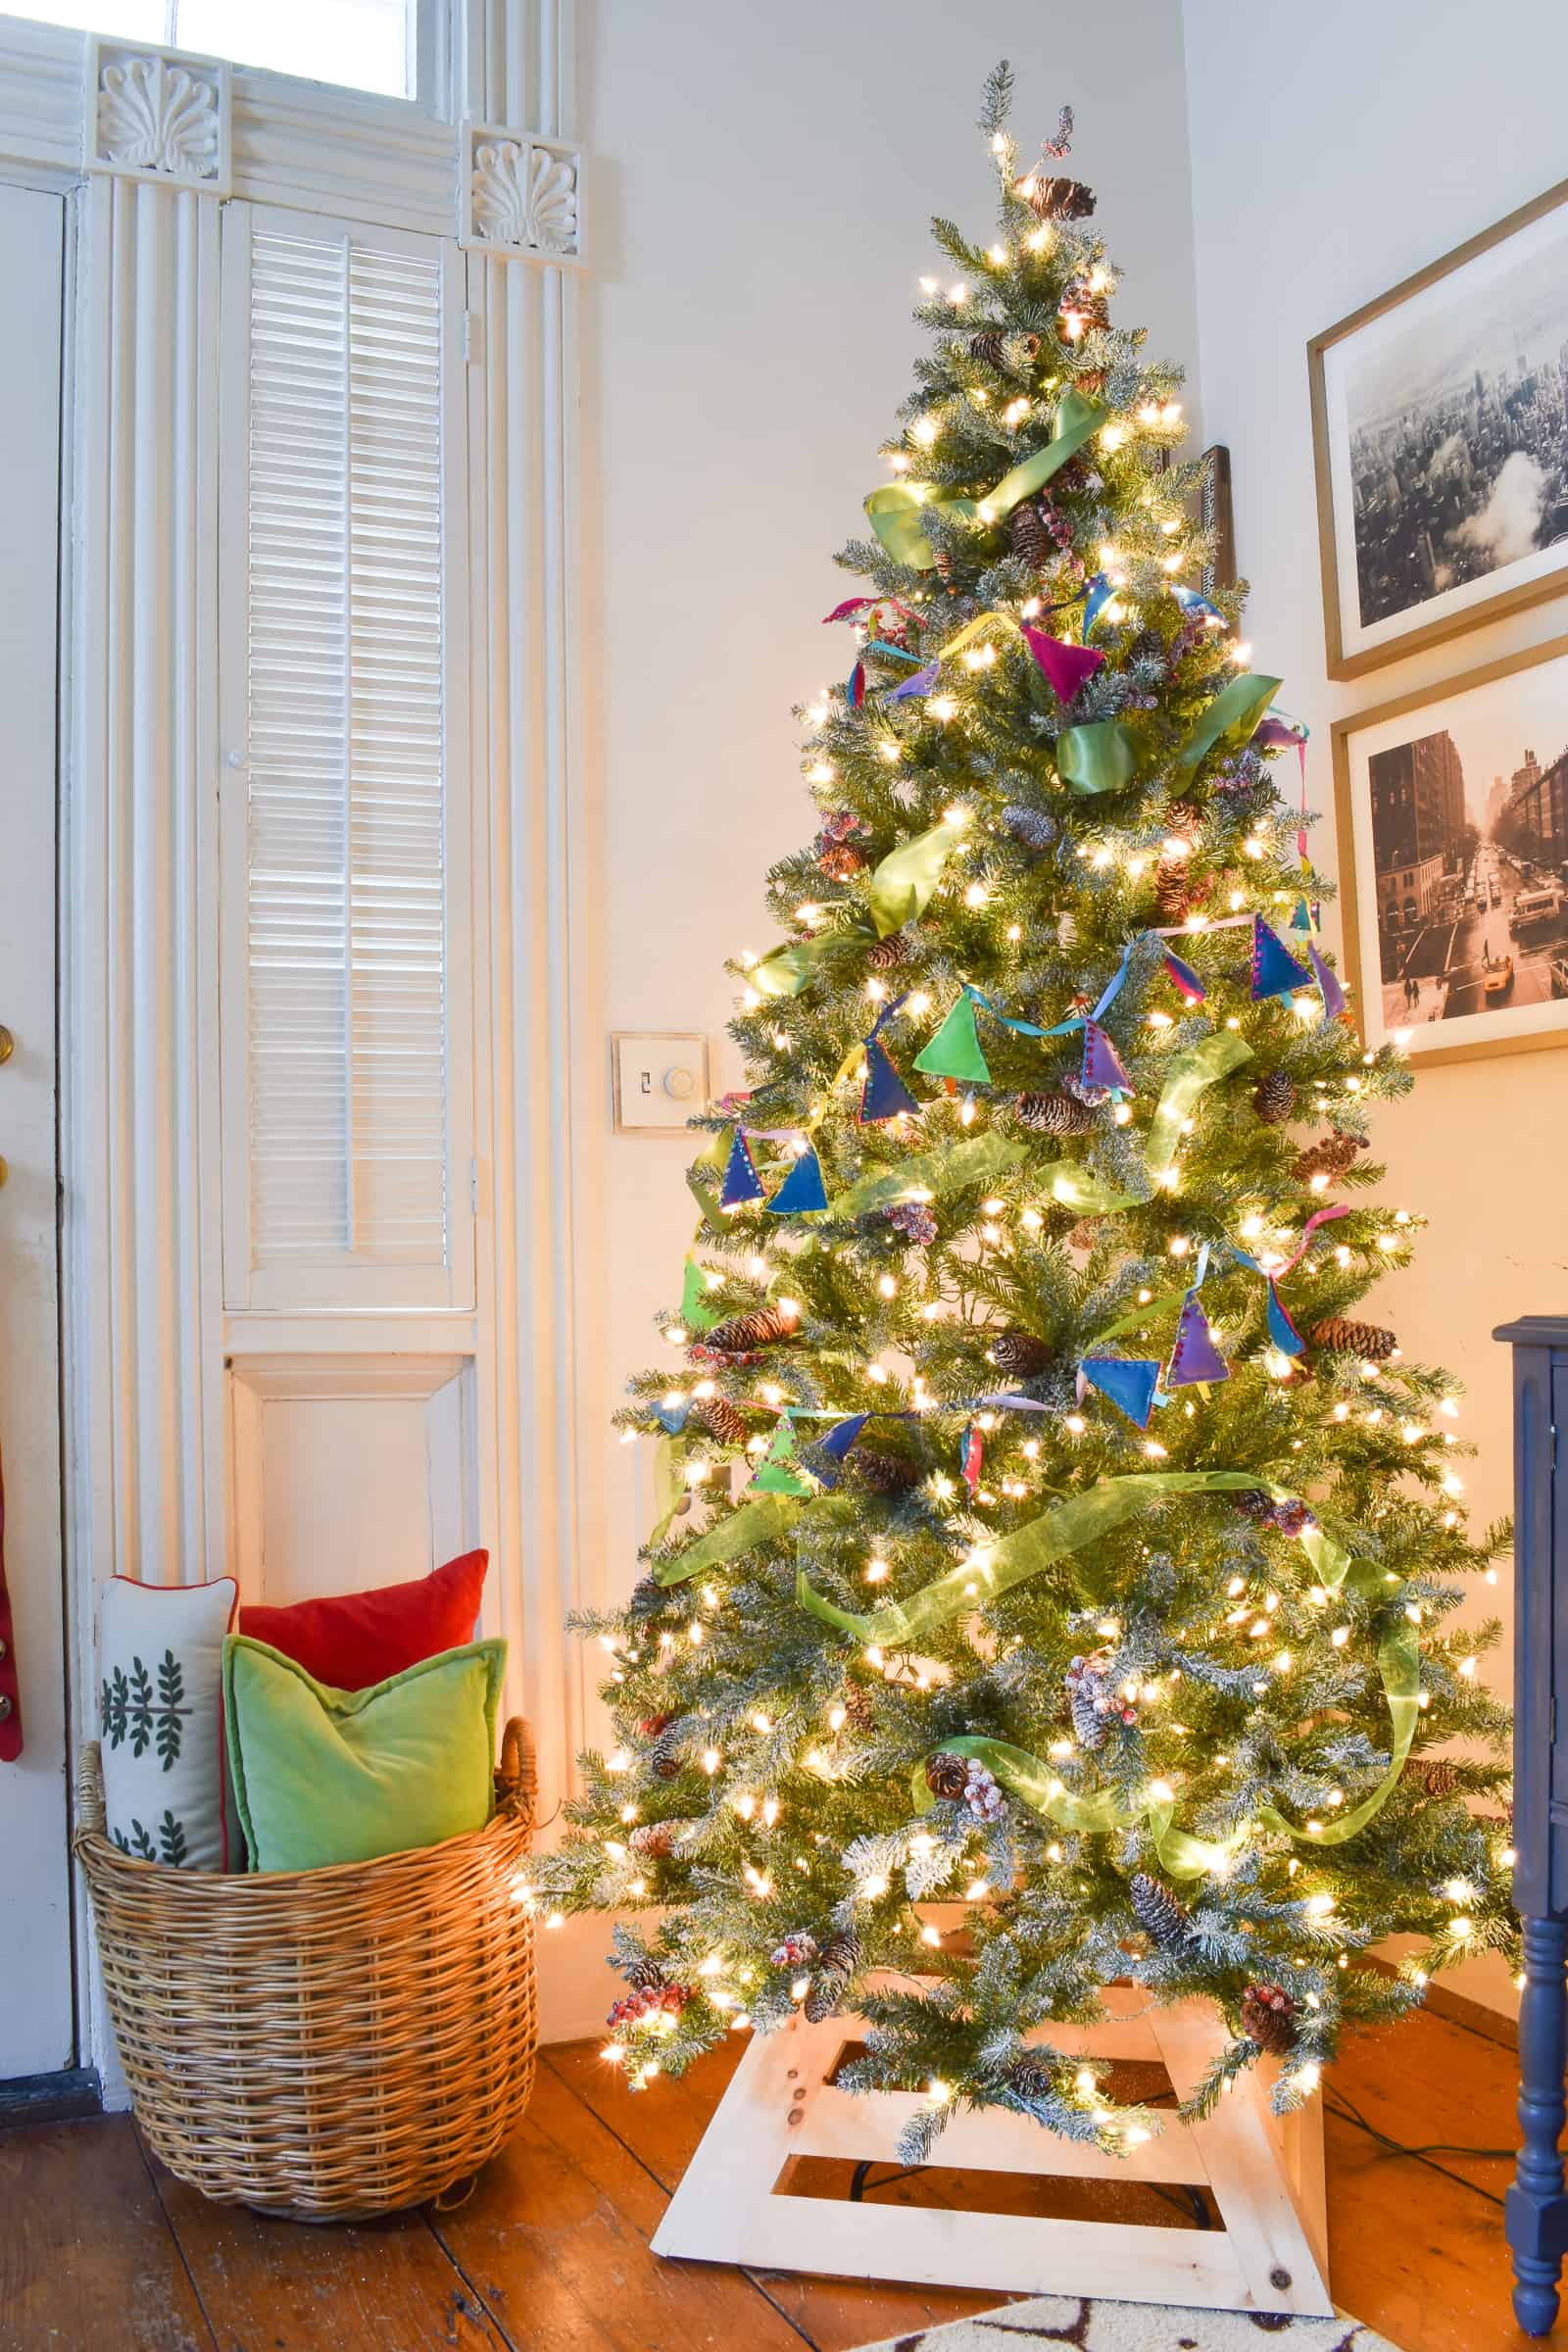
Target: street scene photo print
[1055,1575]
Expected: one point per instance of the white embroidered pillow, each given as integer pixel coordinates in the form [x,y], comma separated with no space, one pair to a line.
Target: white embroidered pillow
[166,1792]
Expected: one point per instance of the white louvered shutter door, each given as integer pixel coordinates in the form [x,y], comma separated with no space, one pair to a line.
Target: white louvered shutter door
[345,831]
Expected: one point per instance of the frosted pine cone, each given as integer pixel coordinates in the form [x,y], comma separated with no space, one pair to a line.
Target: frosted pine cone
[798,1950]
[742,1338]
[1166,1922]
[886,955]
[987,346]
[654,1838]
[884,1473]
[1268,2017]
[946,1775]
[1434,1776]
[1056,1113]
[1032,827]
[1093,1700]
[1027,527]
[1058,198]
[839,859]
[1274,1097]
[840,1958]
[982,1794]
[1021,1355]
[1027,2079]
[1346,1337]
[859,1708]
[644,1974]
[915,1221]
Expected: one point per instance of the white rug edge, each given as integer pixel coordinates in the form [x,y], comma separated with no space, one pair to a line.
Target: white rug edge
[1119,2327]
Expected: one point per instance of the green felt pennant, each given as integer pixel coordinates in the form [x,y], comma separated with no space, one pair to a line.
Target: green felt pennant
[954,1050]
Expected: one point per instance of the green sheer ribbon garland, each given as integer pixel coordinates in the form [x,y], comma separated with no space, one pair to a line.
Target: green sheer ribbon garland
[1034,1784]
[1191,1072]
[896,510]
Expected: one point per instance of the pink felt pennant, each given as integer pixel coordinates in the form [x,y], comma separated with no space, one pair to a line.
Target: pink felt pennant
[1065,667]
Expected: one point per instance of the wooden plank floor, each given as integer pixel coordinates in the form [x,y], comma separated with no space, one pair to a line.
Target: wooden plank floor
[102,2251]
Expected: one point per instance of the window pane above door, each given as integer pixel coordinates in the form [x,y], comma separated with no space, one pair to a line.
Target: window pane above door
[357,44]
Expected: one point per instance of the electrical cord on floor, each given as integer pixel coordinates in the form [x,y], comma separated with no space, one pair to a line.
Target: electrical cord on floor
[1349,2112]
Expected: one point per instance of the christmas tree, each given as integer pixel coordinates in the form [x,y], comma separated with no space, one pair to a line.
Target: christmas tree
[1052,1571]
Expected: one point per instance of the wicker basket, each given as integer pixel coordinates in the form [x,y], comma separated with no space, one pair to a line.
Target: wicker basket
[324,2044]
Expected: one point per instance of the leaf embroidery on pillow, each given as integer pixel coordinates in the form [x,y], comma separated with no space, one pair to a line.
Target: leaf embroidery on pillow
[130,1710]
[172,1846]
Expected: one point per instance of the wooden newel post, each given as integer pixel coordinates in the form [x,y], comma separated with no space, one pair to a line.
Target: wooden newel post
[1536,2209]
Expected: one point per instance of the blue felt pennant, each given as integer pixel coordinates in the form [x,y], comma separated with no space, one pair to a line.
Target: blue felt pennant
[672,1417]
[1131,1387]
[1281,1329]
[803,1190]
[741,1180]
[1275,970]
[884,1095]
[1099,595]
[1190,602]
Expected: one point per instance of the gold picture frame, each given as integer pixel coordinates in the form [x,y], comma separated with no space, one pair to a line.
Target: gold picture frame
[1343,365]
[1521,1030]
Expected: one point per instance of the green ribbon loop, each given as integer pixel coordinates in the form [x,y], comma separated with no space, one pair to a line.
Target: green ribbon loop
[1234,712]
[1399,1670]
[752,1525]
[904,884]
[1099,756]
[1189,1074]
[785,971]
[1079,1190]
[896,511]
[976,1159]
[1036,1786]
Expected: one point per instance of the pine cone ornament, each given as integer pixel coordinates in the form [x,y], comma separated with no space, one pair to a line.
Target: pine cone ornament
[742,1338]
[797,1950]
[841,1957]
[1330,1156]
[1020,350]
[1058,198]
[1094,1701]
[1082,308]
[1021,1355]
[886,955]
[666,1755]
[915,1221]
[987,346]
[1166,1922]
[655,1840]
[1345,1337]
[1027,2079]
[859,1708]
[1178,891]
[1026,528]
[1274,1097]
[884,1473]
[644,1974]
[1269,2018]
[1056,1114]
[1434,1776]
[839,859]
[946,1775]
[648,1597]
[982,1793]
[1032,827]
[720,1418]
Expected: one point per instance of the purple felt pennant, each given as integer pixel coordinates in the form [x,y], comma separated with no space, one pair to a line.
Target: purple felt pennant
[1333,993]
[1275,970]
[921,682]
[1194,1357]
[1102,1064]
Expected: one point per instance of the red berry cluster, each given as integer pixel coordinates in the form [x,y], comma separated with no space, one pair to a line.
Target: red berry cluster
[635,2007]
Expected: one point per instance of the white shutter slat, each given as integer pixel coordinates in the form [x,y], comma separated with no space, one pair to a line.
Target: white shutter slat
[345,652]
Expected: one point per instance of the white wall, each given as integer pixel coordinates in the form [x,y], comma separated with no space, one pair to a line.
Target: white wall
[1331,155]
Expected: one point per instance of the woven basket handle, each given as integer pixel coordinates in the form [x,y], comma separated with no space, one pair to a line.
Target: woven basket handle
[517,1774]
[92,1819]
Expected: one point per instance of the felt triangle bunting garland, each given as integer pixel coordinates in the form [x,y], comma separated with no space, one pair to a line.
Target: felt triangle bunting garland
[854,690]
[1185,977]
[832,1448]
[954,1050]
[1065,667]
[1275,970]
[1194,1358]
[1103,1067]
[741,1180]
[971,1454]
[884,1095]
[1099,595]
[803,1190]
[774,1475]
[695,1312]
[1333,993]
[919,681]
[671,1418]
[1130,1387]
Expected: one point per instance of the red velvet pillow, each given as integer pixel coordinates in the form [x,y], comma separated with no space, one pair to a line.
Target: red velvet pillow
[352,1639]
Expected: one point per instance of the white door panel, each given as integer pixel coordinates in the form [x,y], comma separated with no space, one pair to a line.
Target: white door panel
[36,2024]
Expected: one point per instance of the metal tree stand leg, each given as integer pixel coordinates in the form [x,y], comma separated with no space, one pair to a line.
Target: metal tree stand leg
[1535,2207]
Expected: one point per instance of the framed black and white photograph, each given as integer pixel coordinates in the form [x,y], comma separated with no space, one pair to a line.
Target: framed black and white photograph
[1440,420]
[1452,807]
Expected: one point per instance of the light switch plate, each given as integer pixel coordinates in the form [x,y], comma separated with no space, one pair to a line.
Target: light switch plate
[660,1080]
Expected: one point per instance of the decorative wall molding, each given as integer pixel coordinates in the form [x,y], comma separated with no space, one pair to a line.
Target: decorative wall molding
[156,114]
[520,194]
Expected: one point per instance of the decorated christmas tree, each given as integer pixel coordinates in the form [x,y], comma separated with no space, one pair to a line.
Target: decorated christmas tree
[1055,1578]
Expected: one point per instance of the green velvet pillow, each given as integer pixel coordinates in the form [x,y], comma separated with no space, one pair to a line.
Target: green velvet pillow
[325,1776]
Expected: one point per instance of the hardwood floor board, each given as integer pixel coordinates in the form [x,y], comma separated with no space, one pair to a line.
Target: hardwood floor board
[1427,2078]
[1417,2255]
[86,2256]
[556,2238]
[292,2286]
